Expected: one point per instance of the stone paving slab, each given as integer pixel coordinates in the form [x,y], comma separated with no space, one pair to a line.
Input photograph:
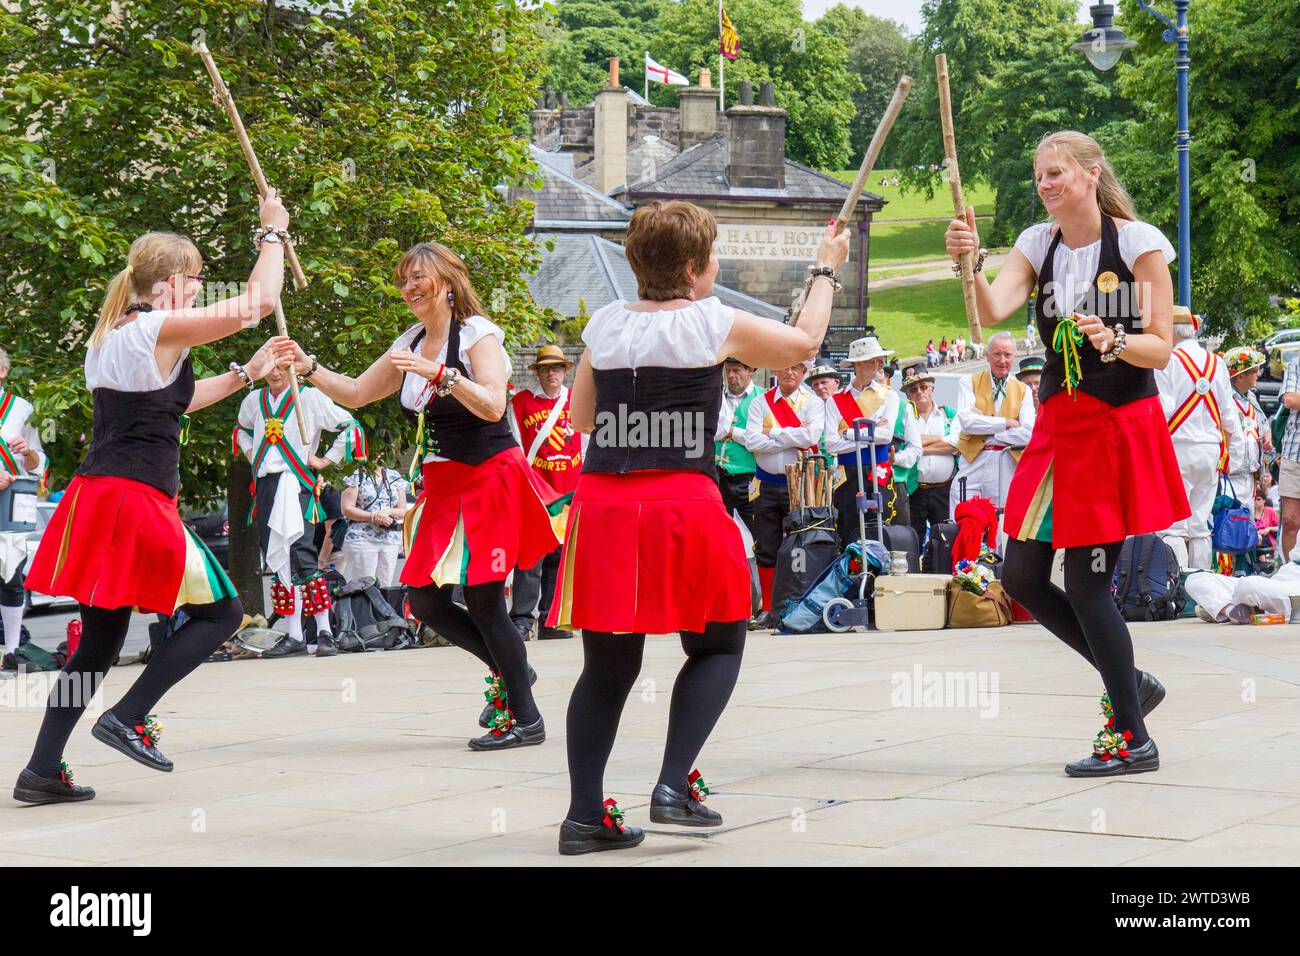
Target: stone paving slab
[829,754]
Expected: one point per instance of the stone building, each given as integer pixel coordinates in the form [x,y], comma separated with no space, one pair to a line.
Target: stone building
[770,210]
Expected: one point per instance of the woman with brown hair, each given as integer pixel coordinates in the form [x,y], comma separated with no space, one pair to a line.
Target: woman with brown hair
[649,546]
[482,512]
[116,542]
[1105,312]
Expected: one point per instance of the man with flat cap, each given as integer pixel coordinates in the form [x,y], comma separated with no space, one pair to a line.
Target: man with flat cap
[541,423]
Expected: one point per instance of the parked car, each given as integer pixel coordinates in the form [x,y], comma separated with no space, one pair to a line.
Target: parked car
[1279,349]
[213,528]
[44,511]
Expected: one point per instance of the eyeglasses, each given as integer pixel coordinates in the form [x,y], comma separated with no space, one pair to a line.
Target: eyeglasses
[198,278]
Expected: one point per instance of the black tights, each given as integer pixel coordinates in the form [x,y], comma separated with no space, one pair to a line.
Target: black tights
[611,663]
[102,636]
[486,631]
[1084,616]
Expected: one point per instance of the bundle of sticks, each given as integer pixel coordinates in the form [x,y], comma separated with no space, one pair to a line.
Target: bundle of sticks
[809,482]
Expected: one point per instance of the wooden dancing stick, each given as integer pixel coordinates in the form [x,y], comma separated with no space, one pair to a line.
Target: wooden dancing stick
[868,164]
[299,277]
[958,199]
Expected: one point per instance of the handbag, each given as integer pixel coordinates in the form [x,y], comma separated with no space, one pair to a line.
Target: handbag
[968,609]
[1234,530]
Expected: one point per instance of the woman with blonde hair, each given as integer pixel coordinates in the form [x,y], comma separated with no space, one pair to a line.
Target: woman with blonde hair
[1104,312]
[482,511]
[649,546]
[116,542]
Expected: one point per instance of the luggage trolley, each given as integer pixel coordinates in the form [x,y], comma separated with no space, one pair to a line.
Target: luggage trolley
[842,614]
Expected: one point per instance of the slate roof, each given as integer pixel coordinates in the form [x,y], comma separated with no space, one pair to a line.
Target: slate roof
[647,154]
[564,202]
[701,170]
[597,271]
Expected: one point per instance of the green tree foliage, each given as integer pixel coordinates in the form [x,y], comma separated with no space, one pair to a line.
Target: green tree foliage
[1244,106]
[805,64]
[584,34]
[878,54]
[384,125]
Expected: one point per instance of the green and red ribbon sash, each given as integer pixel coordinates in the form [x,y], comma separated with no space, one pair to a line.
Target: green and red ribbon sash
[65,773]
[8,460]
[273,437]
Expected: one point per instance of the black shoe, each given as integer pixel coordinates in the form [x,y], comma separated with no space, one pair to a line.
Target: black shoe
[578,838]
[762,622]
[1139,760]
[140,742]
[553,634]
[524,625]
[285,647]
[519,735]
[33,788]
[1150,692]
[326,645]
[681,809]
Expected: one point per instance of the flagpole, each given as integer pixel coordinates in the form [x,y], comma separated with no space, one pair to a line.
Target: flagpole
[645,68]
[722,81]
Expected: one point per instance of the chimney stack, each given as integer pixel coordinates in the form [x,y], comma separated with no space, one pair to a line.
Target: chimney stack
[610,133]
[756,140]
[697,108]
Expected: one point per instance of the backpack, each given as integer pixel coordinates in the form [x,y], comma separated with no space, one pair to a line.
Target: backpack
[1146,582]
[367,622]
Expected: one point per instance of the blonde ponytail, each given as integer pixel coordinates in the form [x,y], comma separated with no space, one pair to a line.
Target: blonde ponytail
[151,260]
[1085,152]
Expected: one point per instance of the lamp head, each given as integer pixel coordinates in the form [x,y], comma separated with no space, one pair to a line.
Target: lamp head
[1105,43]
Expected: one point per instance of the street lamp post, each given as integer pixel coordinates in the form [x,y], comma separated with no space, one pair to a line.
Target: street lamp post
[1103,45]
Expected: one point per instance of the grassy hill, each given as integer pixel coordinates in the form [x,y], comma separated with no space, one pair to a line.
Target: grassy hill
[906,317]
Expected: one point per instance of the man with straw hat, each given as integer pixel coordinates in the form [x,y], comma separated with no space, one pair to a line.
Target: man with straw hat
[1197,399]
[929,480]
[1243,373]
[866,396]
[541,423]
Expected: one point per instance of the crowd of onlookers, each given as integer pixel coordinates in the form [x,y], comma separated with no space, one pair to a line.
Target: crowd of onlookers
[931,458]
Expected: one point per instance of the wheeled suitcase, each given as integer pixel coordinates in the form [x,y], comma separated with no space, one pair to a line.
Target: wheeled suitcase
[902,537]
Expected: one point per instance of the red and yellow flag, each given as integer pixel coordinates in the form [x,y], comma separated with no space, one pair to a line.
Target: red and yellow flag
[730,43]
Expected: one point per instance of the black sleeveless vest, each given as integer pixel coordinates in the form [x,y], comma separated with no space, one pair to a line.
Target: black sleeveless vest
[1115,383]
[137,435]
[450,429]
[655,418]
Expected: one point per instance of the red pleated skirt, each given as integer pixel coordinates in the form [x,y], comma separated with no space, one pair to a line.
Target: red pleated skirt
[1115,475]
[476,523]
[115,542]
[650,552]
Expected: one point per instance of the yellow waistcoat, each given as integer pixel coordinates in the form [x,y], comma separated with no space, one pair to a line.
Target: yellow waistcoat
[1013,394]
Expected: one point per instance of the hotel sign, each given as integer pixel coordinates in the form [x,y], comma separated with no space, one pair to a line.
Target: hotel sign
[775,243]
